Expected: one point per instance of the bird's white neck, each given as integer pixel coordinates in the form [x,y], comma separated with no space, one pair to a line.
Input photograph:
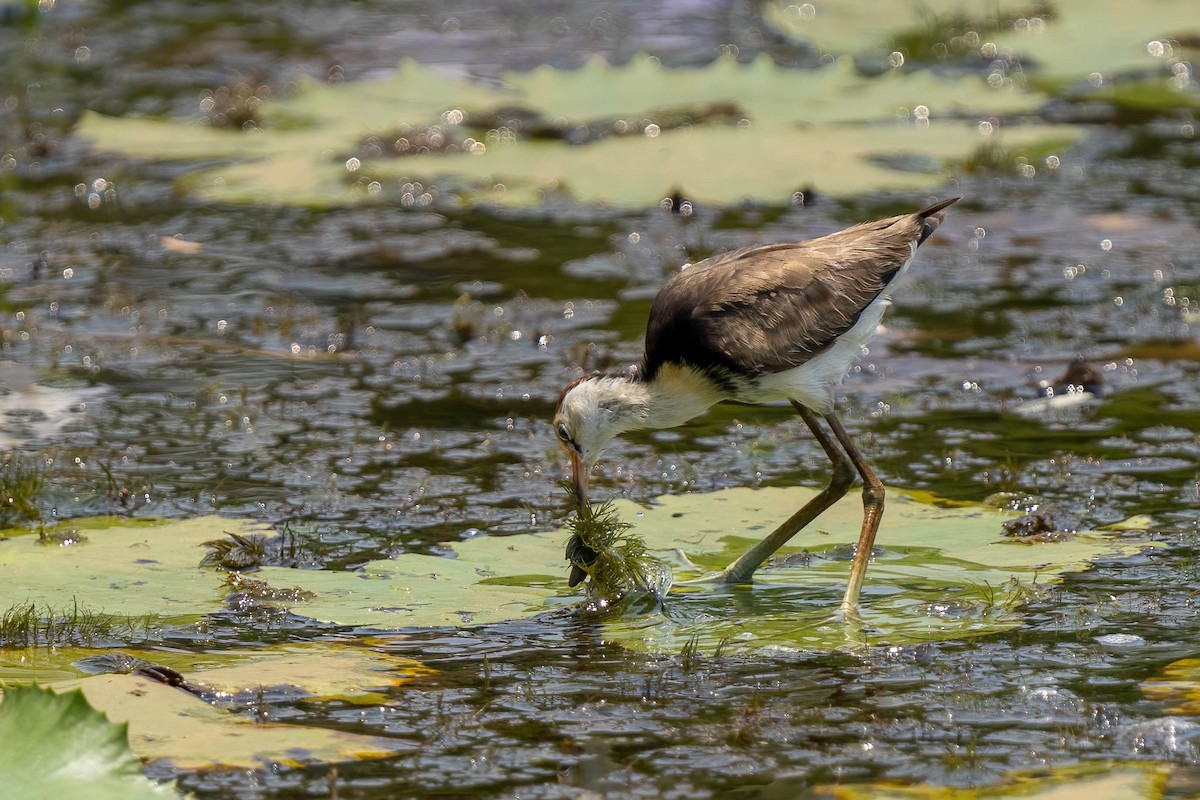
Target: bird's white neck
[674,396]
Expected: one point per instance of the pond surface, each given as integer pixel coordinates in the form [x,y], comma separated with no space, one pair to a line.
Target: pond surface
[379,380]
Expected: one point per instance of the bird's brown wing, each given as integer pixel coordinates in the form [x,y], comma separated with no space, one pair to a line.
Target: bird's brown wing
[771,308]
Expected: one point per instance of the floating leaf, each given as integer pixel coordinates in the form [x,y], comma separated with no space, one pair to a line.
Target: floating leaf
[1097,781]
[56,745]
[170,725]
[316,671]
[122,567]
[779,130]
[1051,43]
[938,573]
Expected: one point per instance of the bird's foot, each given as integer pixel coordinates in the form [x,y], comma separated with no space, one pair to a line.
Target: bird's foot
[726,576]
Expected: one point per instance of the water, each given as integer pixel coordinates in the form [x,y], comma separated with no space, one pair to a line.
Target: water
[381,380]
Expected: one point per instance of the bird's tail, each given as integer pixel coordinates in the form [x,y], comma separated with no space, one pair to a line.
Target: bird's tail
[931,217]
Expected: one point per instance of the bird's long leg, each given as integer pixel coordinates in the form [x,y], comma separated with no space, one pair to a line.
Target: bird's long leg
[872,512]
[842,476]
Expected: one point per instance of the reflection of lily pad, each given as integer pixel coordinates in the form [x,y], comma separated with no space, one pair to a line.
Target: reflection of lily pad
[1178,687]
[940,573]
[1101,781]
[829,128]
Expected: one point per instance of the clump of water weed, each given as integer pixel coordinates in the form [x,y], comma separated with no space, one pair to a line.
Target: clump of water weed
[961,37]
[238,552]
[602,549]
[27,625]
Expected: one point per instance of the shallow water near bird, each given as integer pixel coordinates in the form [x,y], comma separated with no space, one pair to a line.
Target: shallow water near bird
[376,380]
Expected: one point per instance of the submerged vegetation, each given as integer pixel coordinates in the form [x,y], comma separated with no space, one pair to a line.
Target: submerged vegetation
[30,625]
[22,479]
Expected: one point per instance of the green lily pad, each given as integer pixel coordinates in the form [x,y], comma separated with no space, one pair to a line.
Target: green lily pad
[939,573]
[1075,39]
[56,745]
[170,725]
[147,569]
[1095,781]
[831,128]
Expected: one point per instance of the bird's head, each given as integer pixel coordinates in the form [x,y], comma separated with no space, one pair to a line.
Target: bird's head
[591,411]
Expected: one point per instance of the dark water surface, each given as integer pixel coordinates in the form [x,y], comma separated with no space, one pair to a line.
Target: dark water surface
[381,380]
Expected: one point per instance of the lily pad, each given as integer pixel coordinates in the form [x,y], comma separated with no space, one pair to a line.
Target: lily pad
[1053,43]
[310,671]
[121,567]
[318,671]
[1097,781]
[170,725]
[56,745]
[830,128]
[939,573]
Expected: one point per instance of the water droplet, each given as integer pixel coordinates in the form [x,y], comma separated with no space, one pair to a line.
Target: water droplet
[896,59]
[1106,245]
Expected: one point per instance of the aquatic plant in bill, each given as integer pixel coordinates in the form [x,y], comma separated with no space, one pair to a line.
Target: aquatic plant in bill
[615,561]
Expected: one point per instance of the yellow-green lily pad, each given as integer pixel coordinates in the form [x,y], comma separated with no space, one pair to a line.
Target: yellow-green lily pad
[170,725]
[939,573]
[831,129]
[120,567]
[322,671]
[1052,43]
[314,671]
[1092,781]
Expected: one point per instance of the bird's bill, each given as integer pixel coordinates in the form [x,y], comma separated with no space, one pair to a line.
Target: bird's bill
[579,479]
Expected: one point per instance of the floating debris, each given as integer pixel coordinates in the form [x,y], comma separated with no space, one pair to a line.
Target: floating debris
[1043,525]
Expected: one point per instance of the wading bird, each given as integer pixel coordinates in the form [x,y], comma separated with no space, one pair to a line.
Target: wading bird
[756,325]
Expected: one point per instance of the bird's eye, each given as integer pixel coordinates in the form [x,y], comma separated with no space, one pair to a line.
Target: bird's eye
[563,433]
